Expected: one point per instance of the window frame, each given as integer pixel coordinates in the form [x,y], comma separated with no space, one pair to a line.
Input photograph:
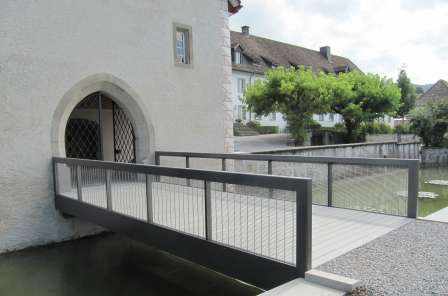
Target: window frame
[188,31]
[241,88]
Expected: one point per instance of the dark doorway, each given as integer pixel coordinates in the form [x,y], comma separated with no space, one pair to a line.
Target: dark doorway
[99,129]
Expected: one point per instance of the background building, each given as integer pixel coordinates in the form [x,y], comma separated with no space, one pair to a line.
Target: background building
[252,56]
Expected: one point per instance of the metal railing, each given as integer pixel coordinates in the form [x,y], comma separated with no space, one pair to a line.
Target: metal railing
[210,217]
[388,186]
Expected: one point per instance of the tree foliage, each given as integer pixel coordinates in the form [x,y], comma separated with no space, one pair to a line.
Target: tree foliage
[300,93]
[359,97]
[430,122]
[296,93]
[408,94]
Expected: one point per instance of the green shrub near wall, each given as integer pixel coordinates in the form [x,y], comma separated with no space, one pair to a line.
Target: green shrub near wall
[375,128]
[267,129]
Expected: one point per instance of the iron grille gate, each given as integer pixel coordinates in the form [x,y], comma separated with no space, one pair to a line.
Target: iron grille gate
[124,137]
[97,121]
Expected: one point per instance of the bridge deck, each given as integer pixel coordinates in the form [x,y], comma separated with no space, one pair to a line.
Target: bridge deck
[258,225]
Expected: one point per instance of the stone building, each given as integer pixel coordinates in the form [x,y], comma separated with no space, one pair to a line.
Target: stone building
[108,80]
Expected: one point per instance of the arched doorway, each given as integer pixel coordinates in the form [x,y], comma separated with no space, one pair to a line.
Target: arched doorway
[98,128]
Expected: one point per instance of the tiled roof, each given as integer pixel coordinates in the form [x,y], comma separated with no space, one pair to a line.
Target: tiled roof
[263,53]
[437,92]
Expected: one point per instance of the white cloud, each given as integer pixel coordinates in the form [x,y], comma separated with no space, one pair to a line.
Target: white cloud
[379,36]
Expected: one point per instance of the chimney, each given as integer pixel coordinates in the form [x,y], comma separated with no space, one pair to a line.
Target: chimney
[245,30]
[326,52]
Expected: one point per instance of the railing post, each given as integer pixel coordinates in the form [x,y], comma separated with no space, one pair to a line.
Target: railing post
[157,158]
[187,165]
[271,191]
[208,210]
[55,177]
[330,185]
[149,213]
[413,186]
[157,162]
[304,201]
[108,191]
[223,168]
[78,182]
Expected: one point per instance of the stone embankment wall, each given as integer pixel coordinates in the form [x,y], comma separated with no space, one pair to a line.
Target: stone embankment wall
[434,156]
[390,149]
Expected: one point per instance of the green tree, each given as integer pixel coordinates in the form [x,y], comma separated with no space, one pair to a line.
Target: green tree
[359,98]
[408,94]
[430,122]
[296,93]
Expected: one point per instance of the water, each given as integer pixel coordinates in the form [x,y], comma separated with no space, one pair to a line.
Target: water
[429,206]
[107,265]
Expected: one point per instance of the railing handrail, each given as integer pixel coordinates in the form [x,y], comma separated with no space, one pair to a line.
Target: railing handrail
[295,158]
[248,179]
[334,146]
[412,166]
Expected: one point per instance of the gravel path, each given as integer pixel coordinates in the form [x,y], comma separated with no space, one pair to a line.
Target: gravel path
[412,260]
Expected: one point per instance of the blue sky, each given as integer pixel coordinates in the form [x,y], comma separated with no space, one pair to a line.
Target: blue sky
[380,36]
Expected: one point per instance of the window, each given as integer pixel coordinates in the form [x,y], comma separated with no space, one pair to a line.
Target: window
[238,57]
[321,117]
[241,85]
[331,117]
[240,111]
[244,115]
[273,116]
[182,45]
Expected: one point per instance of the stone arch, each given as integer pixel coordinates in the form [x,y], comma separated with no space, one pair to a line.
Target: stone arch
[123,95]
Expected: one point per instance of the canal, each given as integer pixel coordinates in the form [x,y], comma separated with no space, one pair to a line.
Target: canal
[108,265]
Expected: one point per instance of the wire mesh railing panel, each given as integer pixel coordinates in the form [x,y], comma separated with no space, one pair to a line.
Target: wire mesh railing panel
[245,218]
[93,185]
[128,194]
[178,203]
[205,164]
[250,166]
[316,171]
[174,162]
[381,189]
[66,180]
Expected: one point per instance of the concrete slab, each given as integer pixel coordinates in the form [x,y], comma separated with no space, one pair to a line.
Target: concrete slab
[303,288]
[439,216]
[332,280]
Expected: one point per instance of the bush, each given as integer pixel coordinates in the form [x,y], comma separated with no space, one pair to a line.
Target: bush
[267,130]
[375,128]
[430,122]
[253,124]
[334,135]
[404,128]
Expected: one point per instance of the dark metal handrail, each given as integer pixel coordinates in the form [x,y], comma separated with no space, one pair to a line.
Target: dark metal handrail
[412,165]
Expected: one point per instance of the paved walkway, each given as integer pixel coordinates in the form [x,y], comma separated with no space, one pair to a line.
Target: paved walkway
[440,216]
[411,260]
[260,143]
